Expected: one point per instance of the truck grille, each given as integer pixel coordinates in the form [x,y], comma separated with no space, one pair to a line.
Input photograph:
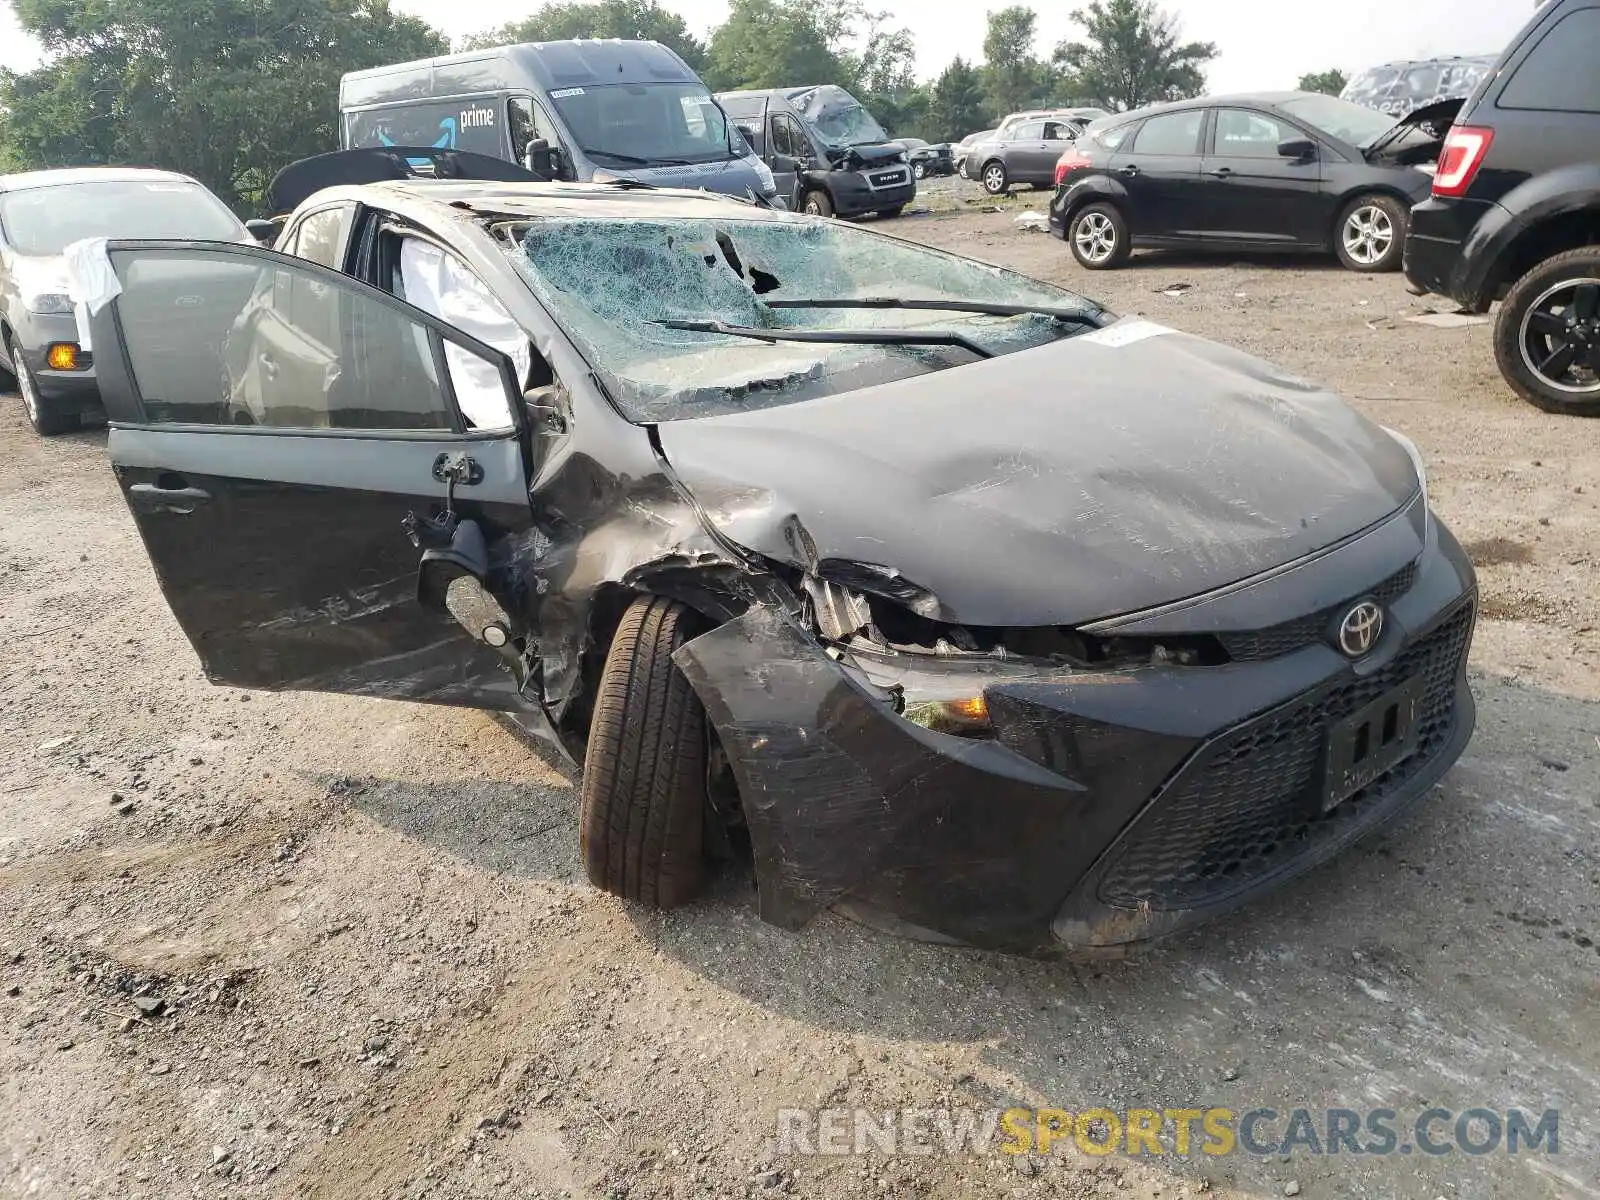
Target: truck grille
[1250,805]
[1302,631]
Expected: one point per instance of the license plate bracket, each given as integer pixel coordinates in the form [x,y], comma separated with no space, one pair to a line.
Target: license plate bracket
[1373,741]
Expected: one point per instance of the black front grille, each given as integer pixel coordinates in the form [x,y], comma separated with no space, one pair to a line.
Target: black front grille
[1302,631]
[1251,803]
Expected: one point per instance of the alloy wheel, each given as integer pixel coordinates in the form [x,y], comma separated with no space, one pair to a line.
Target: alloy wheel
[1095,237]
[1368,235]
[1560,337]
[995,179]
[26,384]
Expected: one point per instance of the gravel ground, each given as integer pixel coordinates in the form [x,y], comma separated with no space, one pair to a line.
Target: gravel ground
[297,945]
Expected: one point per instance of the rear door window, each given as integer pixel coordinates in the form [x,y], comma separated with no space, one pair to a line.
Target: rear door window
[1172,133]
[1559,74]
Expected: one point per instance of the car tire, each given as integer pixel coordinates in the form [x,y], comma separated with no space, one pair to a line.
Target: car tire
[1370,236]
[1563,287]
[8,379]
[644,774]
[45,422]
[818,203]
[1099,237]
[918,171]
[995,179]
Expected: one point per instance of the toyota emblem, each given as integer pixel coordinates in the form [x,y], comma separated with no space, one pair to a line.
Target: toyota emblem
[1360,630]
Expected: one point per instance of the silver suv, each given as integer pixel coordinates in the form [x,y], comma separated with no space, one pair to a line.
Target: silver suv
[41,214]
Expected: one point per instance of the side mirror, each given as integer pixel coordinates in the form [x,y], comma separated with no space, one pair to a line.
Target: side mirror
[784,164]
[265,232]
[1299,149]
[541,158]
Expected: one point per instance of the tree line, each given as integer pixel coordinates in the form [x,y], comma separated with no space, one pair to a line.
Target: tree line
[230,91]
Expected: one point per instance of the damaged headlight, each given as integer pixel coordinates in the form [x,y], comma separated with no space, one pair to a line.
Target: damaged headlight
[1410,448]
[965,718]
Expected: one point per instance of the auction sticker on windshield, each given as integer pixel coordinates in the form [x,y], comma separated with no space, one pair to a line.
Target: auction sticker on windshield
[563,93]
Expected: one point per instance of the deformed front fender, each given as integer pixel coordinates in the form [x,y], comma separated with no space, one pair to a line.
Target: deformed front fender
[849,804]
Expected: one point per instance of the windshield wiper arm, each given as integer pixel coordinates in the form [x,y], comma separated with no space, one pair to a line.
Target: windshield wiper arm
[624,158]
[834,337]
[1076,316]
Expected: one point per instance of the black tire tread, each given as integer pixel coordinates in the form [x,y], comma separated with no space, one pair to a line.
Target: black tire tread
[644,776]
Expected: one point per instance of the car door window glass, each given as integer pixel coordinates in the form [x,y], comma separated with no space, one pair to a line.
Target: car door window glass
[442,285]
[233,340]
[320,237]
[529,122]
[1174,133]
[1559,75]
[787,137]
[1055,131]
[1026,131]
[1112,139]
[1242,134]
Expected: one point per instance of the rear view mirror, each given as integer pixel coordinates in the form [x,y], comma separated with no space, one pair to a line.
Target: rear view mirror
[1299,149]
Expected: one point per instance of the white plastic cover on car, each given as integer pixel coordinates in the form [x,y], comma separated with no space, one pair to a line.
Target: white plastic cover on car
[441,285]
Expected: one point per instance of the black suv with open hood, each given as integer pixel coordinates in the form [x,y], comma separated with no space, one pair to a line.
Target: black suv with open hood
[932,593]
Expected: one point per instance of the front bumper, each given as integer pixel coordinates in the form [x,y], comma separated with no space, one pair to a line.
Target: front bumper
[65,392]
[1111,808]
[854,196]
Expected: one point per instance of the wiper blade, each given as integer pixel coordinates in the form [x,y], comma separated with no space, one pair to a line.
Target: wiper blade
[634,159]
[1076,316]
[834,337]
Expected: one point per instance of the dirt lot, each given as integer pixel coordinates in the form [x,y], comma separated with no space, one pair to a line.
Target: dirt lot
[285,945]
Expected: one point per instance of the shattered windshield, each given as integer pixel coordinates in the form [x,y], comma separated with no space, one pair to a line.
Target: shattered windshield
[838,117]
[612,281]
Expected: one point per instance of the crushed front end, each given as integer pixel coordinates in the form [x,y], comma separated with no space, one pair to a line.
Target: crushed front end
[1086,805]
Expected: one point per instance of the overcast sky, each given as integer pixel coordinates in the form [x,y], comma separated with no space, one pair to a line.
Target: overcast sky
[1264,43]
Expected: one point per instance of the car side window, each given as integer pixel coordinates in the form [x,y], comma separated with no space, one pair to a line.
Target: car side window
[320,236]
[787,137]
[530,121]
[1026,131]
[1171,133]
[1112,139]
[1559,74]
[273,344]
[1056,131]
[1244,134]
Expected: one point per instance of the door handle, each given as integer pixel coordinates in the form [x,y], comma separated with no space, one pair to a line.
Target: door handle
[151,498]
[1223,172]
[1130,170]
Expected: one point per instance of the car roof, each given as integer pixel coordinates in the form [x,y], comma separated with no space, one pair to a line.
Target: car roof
[457,197]
[1264,99]
[546,66]
[66,176]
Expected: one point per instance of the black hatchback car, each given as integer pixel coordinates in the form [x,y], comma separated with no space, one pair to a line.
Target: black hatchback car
[1515,210]
[1280,171]
[694,489]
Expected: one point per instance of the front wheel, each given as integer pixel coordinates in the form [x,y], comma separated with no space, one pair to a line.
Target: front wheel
[1099,237]
[919,171]
[1372,234]
[995,179]
[644,774]
[1547,336]
[818,203]
[45,422]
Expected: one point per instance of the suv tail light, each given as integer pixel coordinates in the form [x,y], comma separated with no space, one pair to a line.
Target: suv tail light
[1464,150]
[1072,160]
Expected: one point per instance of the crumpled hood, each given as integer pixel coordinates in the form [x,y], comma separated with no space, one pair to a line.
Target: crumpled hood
[1100,475]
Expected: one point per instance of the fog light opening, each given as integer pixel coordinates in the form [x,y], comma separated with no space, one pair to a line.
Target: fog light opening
[62,356]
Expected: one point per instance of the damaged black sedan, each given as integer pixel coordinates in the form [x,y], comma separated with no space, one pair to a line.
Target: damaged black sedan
[937,594]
